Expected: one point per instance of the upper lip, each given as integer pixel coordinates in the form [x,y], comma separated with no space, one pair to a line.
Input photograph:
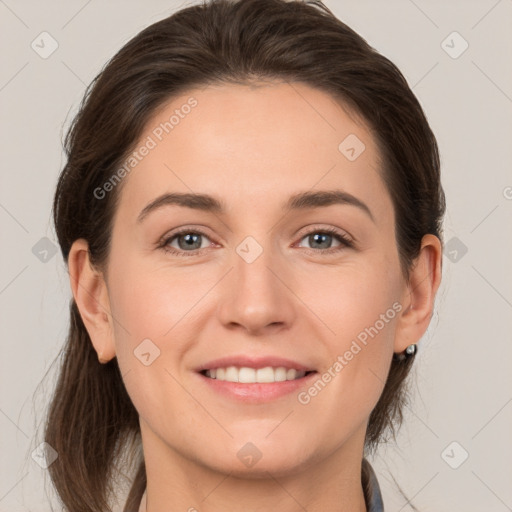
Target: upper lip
[253,362]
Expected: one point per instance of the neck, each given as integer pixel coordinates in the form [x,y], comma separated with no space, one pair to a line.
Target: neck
[332,483]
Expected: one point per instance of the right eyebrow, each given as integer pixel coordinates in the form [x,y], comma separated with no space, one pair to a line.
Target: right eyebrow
[190,200]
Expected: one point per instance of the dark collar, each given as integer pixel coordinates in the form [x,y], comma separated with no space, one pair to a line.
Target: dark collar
[372,493]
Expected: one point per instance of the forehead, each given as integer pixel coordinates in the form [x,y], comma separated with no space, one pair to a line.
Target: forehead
[254,143]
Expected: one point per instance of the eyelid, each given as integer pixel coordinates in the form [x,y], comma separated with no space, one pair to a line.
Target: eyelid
[171,235]
[318,228]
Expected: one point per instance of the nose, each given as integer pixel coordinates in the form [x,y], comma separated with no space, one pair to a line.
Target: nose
[257,296]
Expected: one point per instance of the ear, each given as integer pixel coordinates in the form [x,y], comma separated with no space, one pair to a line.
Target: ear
[419,295]
[91,297]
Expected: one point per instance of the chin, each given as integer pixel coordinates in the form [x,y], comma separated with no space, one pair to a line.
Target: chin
[273,465]
[256,459]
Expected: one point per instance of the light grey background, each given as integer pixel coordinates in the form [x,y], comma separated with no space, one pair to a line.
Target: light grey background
[462,388]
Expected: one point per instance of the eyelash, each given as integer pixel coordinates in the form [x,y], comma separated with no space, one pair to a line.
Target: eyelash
[343,239]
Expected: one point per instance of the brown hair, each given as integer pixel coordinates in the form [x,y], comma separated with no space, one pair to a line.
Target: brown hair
[91,420]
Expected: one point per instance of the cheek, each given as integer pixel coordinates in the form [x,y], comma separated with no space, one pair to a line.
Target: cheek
[349,301]
[149,317]
[149,302]
[145,307]
[359,306]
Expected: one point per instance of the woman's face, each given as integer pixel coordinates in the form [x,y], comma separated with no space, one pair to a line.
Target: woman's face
[262,281]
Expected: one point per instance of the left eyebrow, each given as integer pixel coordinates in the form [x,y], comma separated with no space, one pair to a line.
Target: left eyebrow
[323,198]
[299,201]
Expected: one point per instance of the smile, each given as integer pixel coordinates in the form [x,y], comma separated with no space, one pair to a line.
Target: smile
[248,375]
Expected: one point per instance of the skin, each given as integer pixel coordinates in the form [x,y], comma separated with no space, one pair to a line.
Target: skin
[253,147]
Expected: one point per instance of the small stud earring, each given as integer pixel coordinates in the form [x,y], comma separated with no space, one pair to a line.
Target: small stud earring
[411,350]
[408,352]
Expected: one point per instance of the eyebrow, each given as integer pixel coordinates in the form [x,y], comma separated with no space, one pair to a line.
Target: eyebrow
[299,201]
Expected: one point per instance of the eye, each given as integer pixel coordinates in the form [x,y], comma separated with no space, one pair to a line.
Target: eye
[321,240]
[189,241]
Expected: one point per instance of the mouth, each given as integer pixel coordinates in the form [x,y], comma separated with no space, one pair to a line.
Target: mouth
[254,378]
[248,375]
[262,382]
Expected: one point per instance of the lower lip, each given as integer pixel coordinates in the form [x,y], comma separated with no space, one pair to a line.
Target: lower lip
[257,392]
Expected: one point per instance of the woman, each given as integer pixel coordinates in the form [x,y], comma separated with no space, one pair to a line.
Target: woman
[251,216]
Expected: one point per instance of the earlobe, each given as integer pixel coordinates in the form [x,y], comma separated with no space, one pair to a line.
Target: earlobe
[419,297]
[90,293]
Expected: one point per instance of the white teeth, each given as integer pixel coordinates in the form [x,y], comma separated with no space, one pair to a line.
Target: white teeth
[291,374]
[231,374]
[280,374]
[247,375]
